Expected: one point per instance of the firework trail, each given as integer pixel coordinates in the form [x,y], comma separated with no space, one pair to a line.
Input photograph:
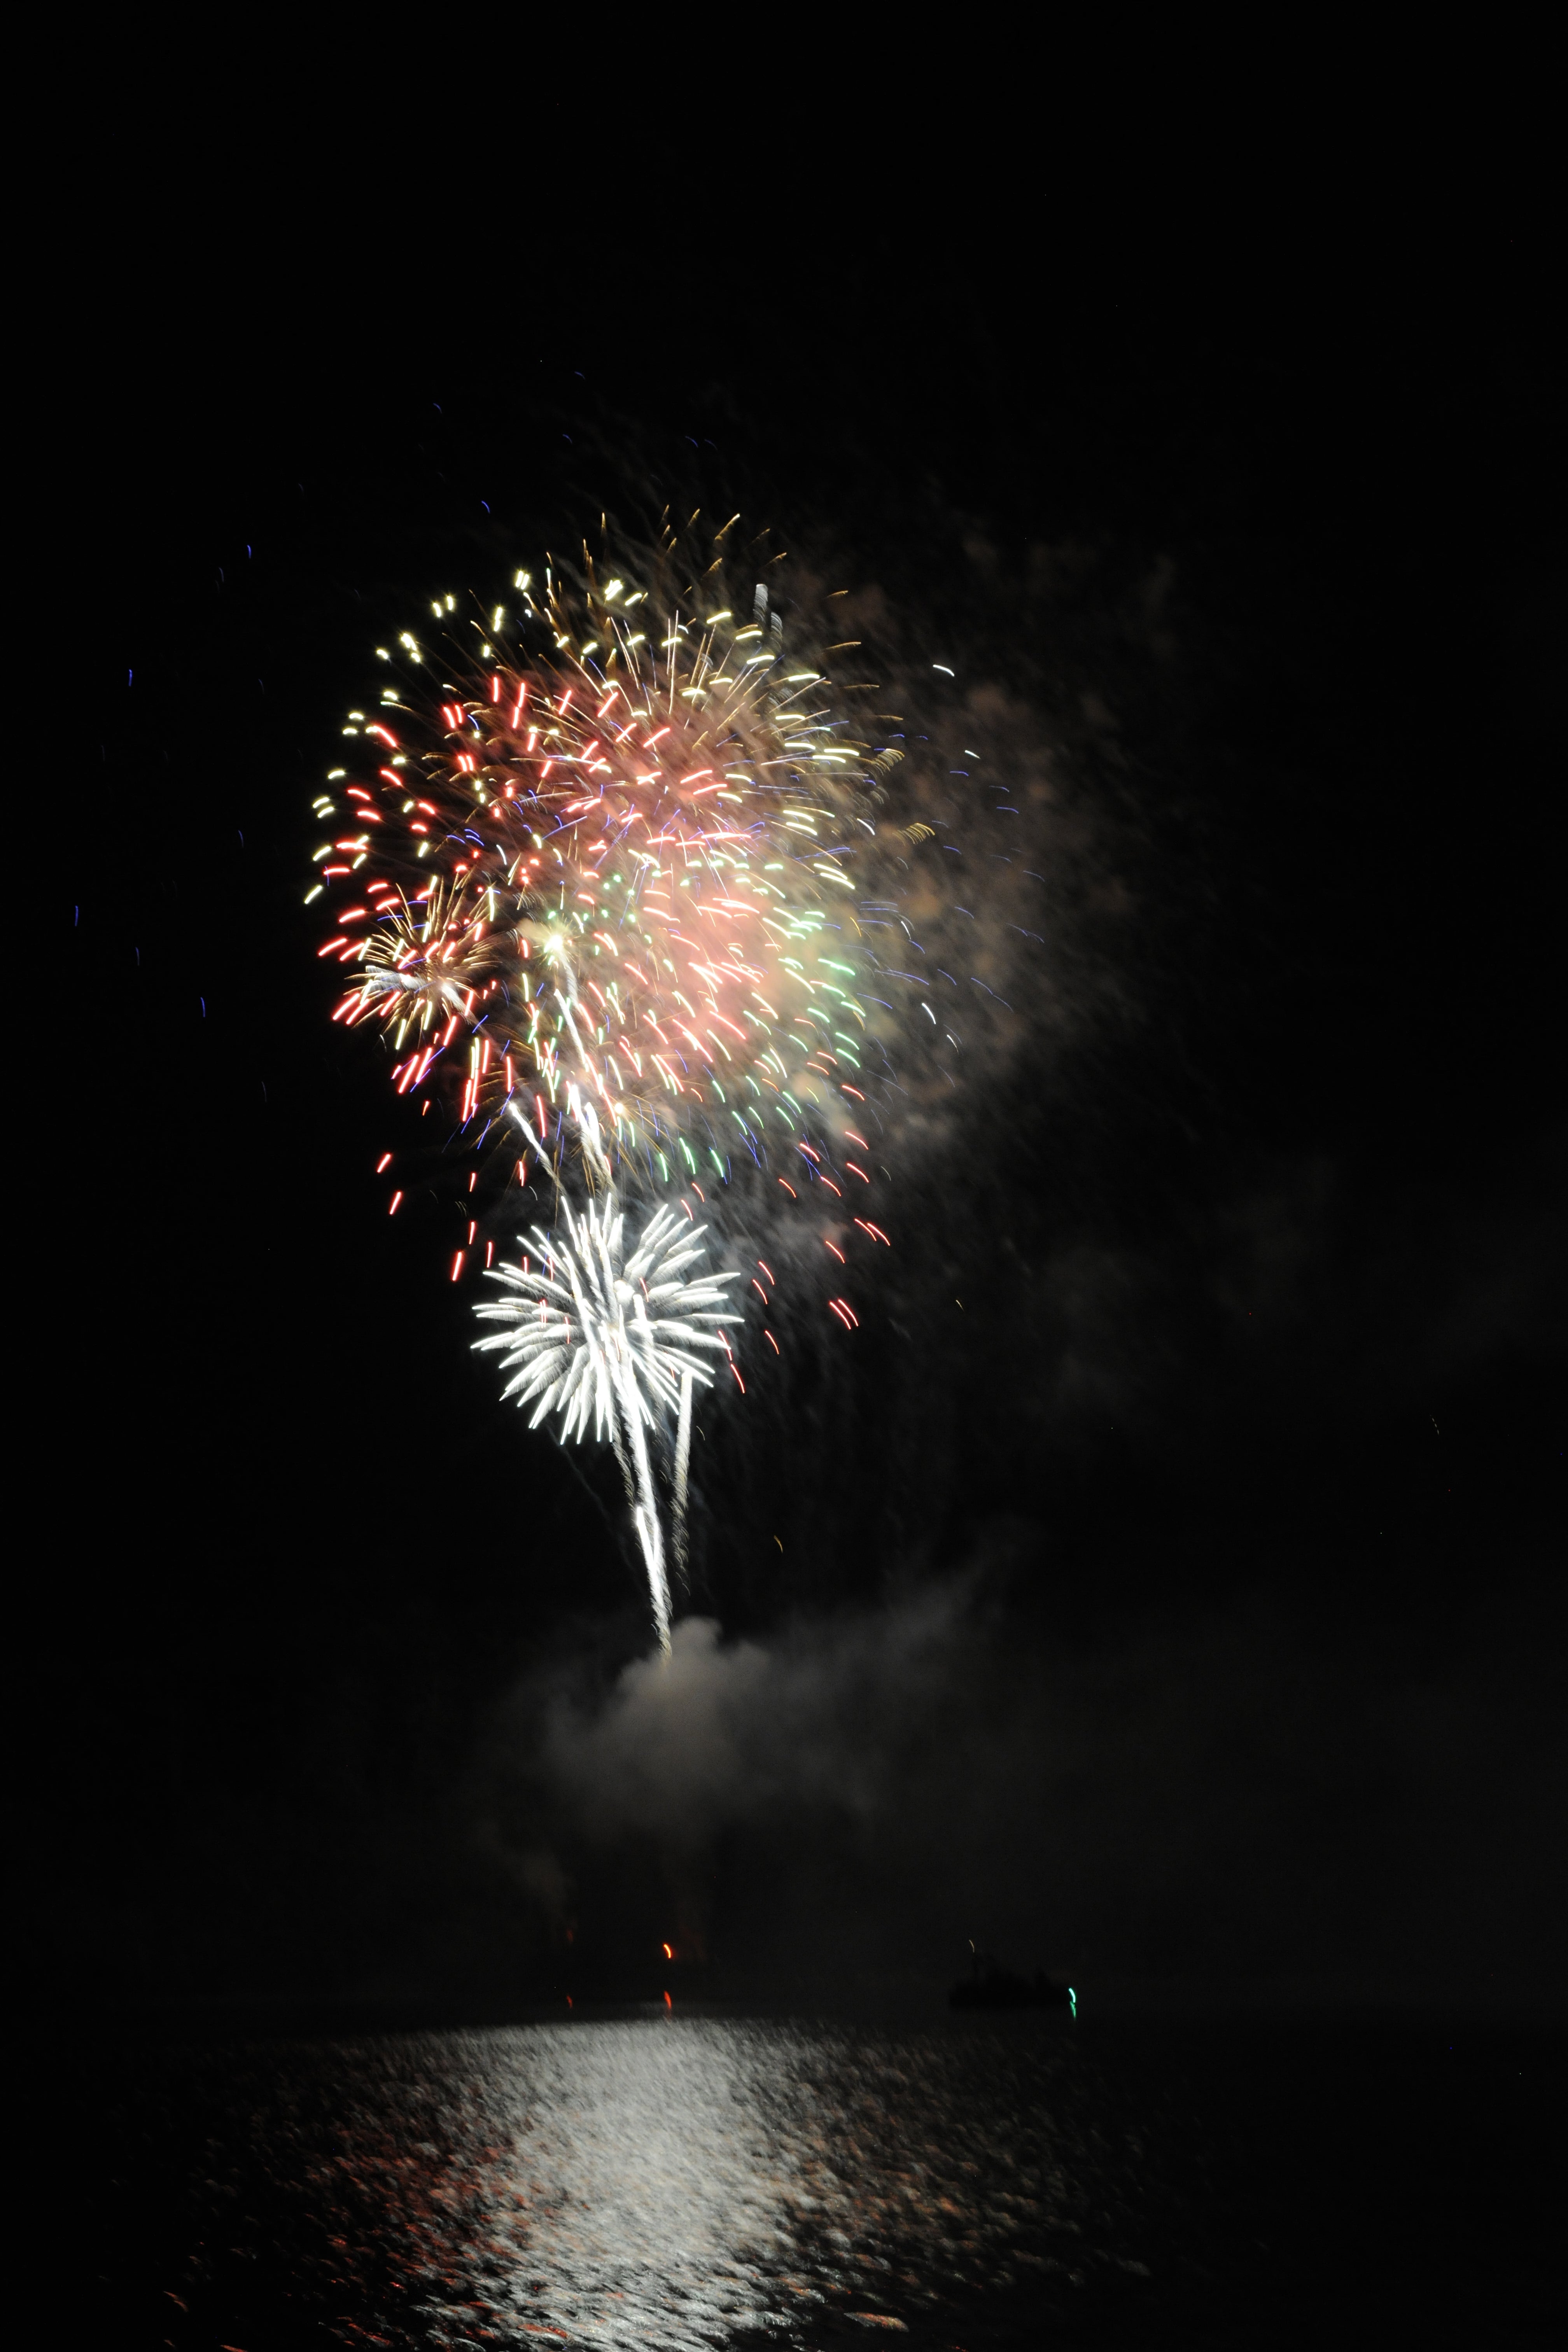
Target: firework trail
[607,863]
[612,1340]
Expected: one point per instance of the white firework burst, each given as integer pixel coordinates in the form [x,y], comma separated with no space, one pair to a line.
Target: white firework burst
[614,1344]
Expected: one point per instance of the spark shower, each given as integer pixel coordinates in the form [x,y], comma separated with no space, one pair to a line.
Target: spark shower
[610,860]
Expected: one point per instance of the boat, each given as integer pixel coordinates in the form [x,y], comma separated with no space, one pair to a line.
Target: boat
[991,1986]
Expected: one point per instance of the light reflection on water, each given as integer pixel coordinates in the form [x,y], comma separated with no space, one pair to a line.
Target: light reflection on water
[675,2182]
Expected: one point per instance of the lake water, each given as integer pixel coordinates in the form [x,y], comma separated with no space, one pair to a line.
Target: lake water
[666,2182]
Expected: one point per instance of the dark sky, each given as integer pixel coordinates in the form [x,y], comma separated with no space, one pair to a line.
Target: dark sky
[1189,1609]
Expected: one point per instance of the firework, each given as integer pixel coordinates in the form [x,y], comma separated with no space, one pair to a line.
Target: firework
[594,863]
[613,1342]
[605,864]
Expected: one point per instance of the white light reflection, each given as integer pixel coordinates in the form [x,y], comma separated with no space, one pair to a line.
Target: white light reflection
[657,2196]
[675,2182]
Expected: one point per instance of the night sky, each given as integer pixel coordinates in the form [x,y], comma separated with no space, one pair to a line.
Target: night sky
[1182,1610]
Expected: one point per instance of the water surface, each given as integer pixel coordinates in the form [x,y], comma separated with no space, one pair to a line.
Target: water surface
[666,2182]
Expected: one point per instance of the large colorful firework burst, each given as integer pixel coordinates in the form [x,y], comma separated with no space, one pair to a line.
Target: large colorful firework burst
[605,864]
[604,874]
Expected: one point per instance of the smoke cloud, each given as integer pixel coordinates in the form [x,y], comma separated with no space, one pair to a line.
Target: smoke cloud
[1247,1800]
